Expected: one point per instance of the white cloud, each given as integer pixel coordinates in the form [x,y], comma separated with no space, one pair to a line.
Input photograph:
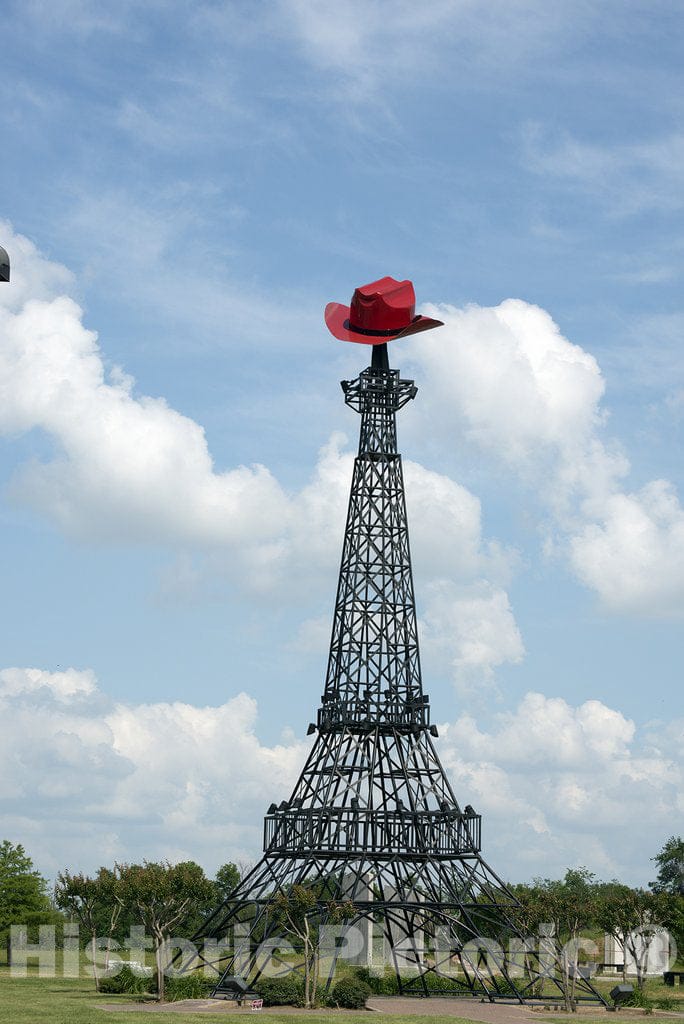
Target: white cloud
[561,786]
[64,687]
[85,780]
[445,521]
[507,381]
[633,555]
[508,378]
[471,631]
[360,42]
[129,468]
[627,177]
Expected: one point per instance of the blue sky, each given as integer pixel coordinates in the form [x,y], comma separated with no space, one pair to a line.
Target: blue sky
[182,191]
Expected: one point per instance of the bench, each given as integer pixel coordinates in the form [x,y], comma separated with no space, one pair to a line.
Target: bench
[669,977]
[235,989]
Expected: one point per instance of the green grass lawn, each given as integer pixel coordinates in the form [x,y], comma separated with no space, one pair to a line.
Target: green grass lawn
[33,1000]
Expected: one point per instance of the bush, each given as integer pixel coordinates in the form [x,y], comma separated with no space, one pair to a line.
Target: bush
[287,991]
[126,981]
[380,985]
[376,985]
[638,998]
[188,986]
[350,994]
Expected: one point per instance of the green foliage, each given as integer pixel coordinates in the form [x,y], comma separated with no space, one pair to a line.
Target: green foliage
[227,878]
[350,994]
[90,899]
[188,986]
[164,896]
[36,918]
[385,985]
[23,890]
[670,883]
[624,912]
[128,982]
[298,911]
[638,998]
[286,991]
[670,863]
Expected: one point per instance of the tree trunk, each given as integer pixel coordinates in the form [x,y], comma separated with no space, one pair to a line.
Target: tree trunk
[315,965]
[159,942]
[639,961]
[93,950]
[573,982]
[566,980]
[307,965]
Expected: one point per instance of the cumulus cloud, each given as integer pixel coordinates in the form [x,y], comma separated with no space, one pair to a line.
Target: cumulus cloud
[470,631]
[633,554]
[507,380]
[561,786]
[128,468]
[87,778]
[64,687]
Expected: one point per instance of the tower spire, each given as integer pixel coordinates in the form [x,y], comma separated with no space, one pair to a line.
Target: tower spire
[374,663]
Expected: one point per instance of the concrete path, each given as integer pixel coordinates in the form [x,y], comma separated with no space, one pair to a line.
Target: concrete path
[470,1009]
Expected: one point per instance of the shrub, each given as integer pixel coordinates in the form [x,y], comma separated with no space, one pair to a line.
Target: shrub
[350,994]
[128,982]
[376,985]
[287,991]
[188,986]
[639,998]
[380,985]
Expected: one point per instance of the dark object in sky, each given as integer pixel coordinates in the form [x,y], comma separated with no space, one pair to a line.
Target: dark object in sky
[4,265]
[373,819]
[379,312]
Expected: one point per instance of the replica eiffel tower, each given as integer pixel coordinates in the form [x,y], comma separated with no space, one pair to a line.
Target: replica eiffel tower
[373,819]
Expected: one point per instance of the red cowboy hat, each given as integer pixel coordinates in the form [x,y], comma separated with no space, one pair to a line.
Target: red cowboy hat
[379,312]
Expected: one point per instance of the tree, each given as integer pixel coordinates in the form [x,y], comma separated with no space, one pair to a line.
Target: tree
[569,906]
[670,863]
[633,917]
[163,895]
[227,878]
[23,890]
[300,910]
[93,901]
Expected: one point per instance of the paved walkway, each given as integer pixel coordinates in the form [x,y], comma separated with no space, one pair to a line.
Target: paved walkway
[470,1009]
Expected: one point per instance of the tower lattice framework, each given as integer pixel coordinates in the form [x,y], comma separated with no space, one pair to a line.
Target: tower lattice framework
[373,818]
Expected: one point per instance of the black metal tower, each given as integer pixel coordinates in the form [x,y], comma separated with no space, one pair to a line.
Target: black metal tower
[373,818]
